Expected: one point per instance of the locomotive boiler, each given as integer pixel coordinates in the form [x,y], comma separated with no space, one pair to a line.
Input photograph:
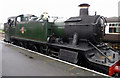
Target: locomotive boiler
[77,40]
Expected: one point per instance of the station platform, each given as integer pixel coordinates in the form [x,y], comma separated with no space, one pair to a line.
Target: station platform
[21,62]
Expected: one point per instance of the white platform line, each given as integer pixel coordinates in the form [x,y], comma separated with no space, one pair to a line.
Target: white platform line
[58,60]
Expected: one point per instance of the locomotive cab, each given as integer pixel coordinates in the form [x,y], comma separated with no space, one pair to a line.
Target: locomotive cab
[9,28]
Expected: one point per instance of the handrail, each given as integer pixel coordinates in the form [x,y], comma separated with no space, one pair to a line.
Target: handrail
[100,52]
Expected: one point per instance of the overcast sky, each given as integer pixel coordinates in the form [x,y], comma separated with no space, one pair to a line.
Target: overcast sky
[61,8]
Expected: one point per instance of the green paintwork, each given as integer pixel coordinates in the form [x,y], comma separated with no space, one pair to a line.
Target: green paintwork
[6,29]
[32,30]
[36,30]
[58,28]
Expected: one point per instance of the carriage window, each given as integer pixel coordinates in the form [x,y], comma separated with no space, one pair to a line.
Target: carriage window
[114,30]
[119,24]
[110,30]
[109,24]
[117,30]
[113,24]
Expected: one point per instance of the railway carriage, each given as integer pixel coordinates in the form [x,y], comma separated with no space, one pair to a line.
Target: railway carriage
[112,32]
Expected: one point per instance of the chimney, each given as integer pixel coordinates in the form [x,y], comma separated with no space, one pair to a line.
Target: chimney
[84,9]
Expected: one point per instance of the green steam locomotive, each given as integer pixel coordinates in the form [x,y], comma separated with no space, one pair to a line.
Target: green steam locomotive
[77,40]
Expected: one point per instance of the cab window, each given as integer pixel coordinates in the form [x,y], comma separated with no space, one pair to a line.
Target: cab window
[19,19]
[10,21]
